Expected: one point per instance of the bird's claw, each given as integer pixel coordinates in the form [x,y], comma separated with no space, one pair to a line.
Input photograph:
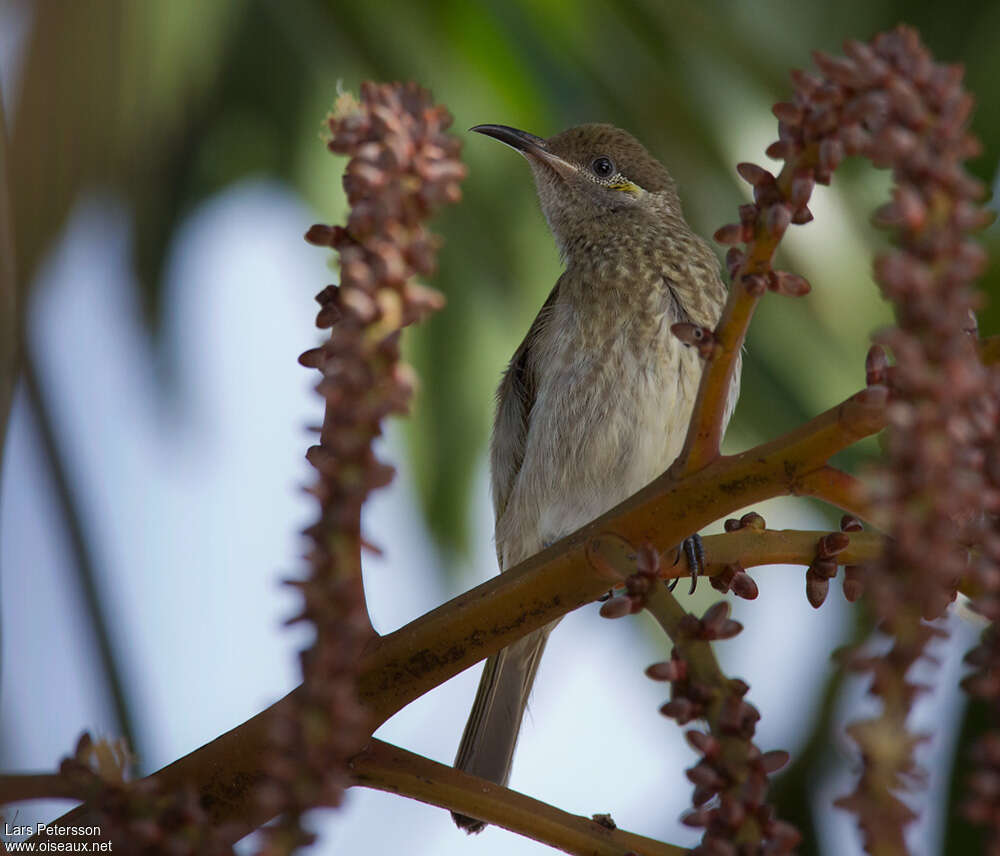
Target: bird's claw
[694,552]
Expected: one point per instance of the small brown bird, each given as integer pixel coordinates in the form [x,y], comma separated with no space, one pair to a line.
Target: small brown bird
[596,400]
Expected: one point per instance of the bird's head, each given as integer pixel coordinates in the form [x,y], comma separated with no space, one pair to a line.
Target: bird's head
[591,178]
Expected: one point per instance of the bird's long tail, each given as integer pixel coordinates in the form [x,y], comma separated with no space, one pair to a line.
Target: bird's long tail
[487,747]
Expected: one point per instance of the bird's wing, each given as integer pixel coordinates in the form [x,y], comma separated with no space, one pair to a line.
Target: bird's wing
[515,398]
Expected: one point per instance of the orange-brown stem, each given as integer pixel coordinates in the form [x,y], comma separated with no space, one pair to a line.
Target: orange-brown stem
[19,787]
[752,547]
[704,437]
[844,491]
[389,768]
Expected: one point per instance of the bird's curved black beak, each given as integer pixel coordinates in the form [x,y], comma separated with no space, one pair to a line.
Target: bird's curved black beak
[528,145]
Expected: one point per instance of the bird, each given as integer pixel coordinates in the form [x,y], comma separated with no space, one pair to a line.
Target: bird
[596,400]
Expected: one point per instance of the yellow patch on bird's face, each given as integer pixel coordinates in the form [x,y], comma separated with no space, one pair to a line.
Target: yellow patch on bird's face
[626,186]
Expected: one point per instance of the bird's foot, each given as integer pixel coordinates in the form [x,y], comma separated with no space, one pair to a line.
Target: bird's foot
[469,824]
[694,552]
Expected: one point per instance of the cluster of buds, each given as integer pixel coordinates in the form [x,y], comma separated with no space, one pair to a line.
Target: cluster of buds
[690,698]
[889,102]
[741,799]
[403,165]
[731,777]
[823,567]
[733,577]
[776,205]
[854,580]
[637,585]
[136,815]
[107,761]
[149,822]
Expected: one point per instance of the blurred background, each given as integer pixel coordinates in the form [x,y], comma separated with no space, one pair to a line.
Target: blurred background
[164,159]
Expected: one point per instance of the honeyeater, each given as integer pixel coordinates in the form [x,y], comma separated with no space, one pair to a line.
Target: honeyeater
[596,400]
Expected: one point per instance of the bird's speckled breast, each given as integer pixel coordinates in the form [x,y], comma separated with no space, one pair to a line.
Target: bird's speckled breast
[610,414]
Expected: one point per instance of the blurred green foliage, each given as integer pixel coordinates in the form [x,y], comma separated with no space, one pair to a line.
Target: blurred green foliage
[167,102]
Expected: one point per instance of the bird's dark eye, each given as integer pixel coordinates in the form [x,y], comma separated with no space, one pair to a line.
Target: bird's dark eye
[603,167]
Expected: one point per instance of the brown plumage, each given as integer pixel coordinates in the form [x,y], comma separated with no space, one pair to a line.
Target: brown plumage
[596,400]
